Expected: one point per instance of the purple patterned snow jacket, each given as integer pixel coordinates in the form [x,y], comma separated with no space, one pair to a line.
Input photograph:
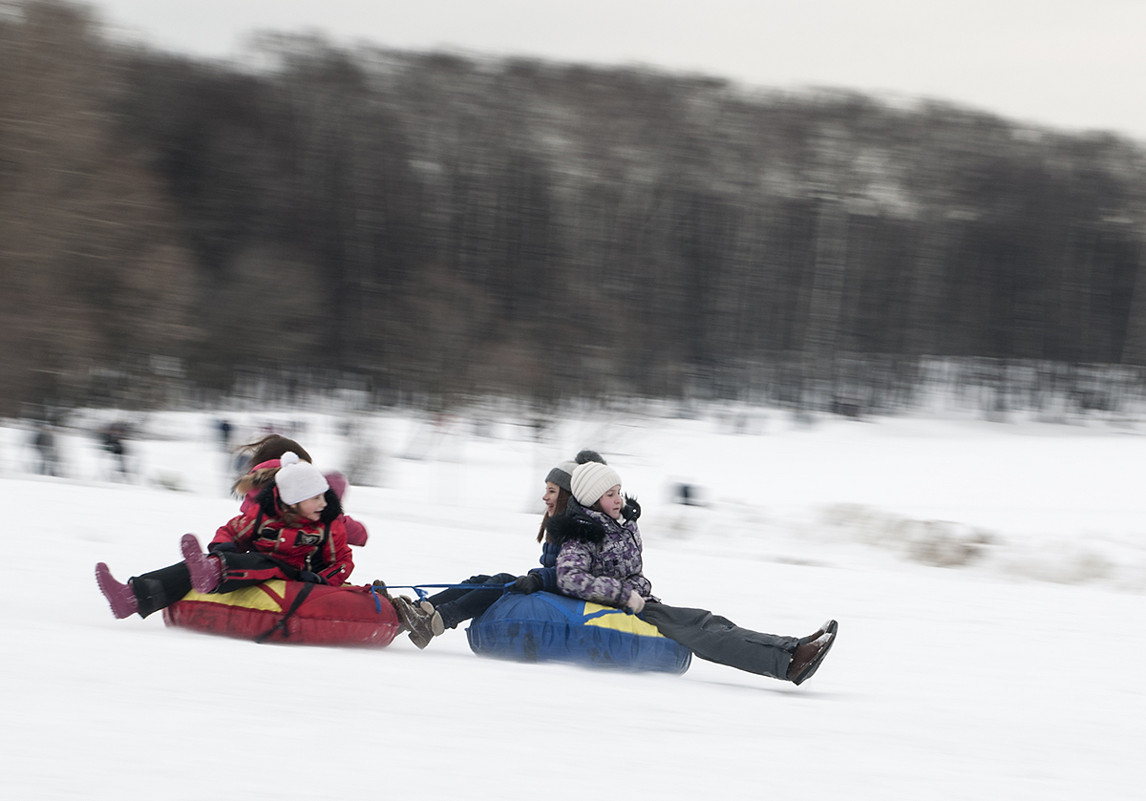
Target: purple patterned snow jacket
[600,558]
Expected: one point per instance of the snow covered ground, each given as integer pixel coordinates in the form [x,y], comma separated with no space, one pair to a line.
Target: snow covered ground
[988,580]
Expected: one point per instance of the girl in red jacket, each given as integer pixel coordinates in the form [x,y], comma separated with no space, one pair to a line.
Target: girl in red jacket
[263,460]
[294,531]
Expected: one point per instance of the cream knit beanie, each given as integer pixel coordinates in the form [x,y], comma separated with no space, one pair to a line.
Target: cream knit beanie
[592,480]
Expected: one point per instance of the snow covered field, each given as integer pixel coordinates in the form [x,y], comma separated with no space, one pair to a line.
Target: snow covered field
[988,579]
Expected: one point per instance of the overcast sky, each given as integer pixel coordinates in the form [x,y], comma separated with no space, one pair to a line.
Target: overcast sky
[1062,63]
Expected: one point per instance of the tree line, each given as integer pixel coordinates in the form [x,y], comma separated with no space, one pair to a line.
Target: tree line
[437,226]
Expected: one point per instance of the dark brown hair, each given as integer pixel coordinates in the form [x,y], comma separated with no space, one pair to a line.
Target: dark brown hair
[272,446]
[563,497]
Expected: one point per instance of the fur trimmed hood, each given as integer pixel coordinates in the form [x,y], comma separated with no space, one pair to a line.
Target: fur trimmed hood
[251,483]
[588,525]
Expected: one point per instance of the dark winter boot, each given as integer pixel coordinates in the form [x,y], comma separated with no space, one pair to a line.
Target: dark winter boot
[416,621]
[206,571]
[831,625]
[120,596]
[811,652]
[437,625]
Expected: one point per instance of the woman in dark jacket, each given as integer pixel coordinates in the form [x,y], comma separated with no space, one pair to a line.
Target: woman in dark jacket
[599,560]
[456,605]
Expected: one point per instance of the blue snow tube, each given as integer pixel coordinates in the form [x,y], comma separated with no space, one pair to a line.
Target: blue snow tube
[544,627]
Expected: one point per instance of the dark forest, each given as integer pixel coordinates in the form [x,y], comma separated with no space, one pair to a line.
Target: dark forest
[431,227]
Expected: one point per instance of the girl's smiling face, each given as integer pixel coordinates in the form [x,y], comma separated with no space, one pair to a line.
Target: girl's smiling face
[550,498]
[311,508]
[612,502]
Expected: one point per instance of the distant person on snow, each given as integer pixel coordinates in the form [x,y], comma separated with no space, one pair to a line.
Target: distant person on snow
[48,457]
[600,560]
[294,532]
[112,439]
[458,604]
[224,427]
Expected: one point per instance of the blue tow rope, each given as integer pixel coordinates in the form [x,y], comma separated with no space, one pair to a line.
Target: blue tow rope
[423,595]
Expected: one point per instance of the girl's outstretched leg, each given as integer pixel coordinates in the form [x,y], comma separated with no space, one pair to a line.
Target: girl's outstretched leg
[468,603]
[717,639]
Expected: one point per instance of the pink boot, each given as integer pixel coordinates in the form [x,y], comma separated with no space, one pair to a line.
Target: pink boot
[120,596]
[206,571]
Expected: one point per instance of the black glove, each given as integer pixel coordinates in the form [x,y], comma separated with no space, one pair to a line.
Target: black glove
[222,547]
[527,584]
[631,510]
[313,578]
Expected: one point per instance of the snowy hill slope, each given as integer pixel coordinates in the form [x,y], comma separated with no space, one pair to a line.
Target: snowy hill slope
[1016,674]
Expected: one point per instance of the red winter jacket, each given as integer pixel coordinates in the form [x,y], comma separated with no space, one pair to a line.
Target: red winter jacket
[304,545]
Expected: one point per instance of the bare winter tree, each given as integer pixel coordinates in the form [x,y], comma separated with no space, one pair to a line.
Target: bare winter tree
[91,272]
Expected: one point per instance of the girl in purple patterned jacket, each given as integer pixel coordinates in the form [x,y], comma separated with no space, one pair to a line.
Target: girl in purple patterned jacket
[600,560]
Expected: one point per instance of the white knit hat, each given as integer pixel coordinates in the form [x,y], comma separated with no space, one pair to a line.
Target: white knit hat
[298,480]
[592,480]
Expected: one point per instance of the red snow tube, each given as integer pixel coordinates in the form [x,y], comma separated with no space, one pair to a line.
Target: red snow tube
[291,612]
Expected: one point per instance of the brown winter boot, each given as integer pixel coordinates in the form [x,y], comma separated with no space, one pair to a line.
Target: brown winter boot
[380,588]
[437,625]
[415,619]
[811,652]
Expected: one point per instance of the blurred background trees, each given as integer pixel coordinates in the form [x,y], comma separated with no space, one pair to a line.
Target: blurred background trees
[94,276]
[433,227]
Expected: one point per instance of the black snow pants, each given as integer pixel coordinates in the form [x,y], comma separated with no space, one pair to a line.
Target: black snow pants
[718,639]
[458,604]
[161,588]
